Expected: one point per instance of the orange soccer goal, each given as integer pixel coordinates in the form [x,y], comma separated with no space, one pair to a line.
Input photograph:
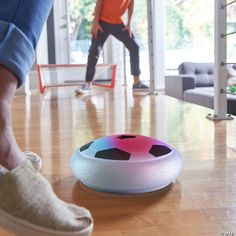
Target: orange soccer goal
[57,75]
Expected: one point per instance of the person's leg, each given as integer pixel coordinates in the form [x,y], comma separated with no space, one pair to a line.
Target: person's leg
[94,52]
[21,23]
[23,211]
[10,155]
[133,48]
[19,33]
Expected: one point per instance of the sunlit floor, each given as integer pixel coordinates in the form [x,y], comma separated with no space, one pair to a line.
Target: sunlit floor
[201,202]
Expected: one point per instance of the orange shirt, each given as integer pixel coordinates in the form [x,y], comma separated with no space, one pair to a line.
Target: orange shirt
[113,11]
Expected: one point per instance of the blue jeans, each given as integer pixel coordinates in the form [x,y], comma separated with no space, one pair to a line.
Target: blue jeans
[21,23]
[97,45]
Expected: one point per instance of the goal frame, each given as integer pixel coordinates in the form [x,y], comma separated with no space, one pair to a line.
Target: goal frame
[42,86]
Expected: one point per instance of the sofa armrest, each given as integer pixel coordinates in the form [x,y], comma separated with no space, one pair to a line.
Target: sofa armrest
[176,85]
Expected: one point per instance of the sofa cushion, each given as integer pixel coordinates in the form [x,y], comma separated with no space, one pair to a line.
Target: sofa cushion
[203,72]
[203,96]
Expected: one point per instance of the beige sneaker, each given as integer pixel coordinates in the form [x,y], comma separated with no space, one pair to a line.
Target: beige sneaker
[84,89]
[28,206]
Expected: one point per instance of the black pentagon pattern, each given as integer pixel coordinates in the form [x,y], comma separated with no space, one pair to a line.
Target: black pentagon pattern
[126,136]
[86,146]
[113,154]
[159,150]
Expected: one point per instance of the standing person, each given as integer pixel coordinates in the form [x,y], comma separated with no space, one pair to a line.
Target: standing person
[28,205]
[108,21]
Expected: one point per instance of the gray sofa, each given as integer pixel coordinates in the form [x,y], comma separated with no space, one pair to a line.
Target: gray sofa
[195,84]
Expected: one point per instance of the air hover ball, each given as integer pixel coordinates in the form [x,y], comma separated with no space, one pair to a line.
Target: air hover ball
[126,164]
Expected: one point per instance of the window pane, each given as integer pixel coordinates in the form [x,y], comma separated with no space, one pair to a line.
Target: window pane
[81,16]
[189,32]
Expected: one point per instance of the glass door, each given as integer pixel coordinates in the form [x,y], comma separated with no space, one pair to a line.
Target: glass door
[80,22]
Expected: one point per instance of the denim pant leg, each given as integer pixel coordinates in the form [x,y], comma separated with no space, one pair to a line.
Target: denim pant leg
[21,23]
[131,45]
[94,51]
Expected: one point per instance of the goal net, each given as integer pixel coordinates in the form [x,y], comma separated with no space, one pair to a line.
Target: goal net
[56,75]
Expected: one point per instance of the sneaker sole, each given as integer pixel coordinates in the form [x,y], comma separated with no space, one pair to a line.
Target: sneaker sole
[82,92]
[140,90]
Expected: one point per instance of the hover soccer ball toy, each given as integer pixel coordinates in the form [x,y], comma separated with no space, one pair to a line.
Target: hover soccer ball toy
[126,164]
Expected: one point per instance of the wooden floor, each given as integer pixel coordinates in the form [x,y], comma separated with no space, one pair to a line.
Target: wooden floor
[201,202]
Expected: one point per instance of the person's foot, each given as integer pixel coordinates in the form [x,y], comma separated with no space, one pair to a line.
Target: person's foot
[84,89]
[11,156]
[140,87]
[38,212]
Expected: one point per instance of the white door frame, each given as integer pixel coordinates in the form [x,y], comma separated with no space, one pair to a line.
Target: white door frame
[156,35]
[62,42]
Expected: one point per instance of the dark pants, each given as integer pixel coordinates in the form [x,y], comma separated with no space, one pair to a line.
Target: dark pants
[97,45]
